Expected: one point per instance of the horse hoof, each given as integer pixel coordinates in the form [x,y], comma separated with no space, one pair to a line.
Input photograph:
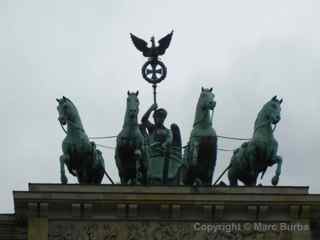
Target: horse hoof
[197,182]
[275,180]
[64,180]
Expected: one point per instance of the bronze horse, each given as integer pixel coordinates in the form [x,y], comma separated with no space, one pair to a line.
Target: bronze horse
[201,152]
[255,156]
[80,155]
[130,154]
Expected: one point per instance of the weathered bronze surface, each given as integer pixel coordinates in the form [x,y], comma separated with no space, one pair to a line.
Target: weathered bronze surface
[255,156]
[130,153]
[153,71]
[80,155]
[201,152]
[163,146]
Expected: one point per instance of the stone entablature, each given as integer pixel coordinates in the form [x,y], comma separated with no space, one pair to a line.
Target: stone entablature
[11,228]
[166,202]
[52,210]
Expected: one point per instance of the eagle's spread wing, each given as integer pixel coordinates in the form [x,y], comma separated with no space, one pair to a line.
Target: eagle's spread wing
[164,43]
[139,43]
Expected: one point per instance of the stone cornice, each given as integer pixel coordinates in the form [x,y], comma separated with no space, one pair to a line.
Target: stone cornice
[178,203]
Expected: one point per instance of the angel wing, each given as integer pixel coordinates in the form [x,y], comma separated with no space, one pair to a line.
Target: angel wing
[140,44]
[164,43]
[176,141]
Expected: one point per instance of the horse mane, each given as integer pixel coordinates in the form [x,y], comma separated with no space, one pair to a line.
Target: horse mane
[261,115]
[199,113]
[75,109]
[74,106]
[126,119]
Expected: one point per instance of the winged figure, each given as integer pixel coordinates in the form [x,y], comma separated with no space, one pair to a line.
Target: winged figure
[153,51]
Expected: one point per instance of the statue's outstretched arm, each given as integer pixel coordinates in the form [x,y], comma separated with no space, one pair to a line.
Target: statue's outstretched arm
[145,119]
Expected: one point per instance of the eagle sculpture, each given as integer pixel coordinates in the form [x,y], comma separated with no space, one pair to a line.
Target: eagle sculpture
[153,51]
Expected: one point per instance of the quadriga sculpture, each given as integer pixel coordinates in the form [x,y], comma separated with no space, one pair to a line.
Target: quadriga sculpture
[130,151]
[201,152]
[260,152]
[80,155]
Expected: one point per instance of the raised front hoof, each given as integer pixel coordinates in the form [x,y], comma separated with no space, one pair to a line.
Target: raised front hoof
[64,180]
[275,180]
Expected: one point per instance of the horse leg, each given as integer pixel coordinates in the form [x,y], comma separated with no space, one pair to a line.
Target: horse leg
[144,165]
[278,161]
[64,159]
[123,179]
[251,181]
[190,175]
[194,158]
[137,157]
[96,176]
[99,168]
[233,178]
[180,175]
[251,157]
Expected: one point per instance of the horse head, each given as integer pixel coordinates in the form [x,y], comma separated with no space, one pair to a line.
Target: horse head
[79,154]
[206,100]
[132,105]
[205,104]
[256,155]
[66,110]
[271,111]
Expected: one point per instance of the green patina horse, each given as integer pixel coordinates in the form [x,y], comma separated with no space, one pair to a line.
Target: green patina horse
[255,156]
[130,154]
[201,152]
[80,155]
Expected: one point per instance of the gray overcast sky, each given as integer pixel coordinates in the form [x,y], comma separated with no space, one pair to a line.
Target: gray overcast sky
[248,51]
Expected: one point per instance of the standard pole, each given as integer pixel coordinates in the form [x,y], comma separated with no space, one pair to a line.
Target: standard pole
[110,179]
[221,175]
[154,93]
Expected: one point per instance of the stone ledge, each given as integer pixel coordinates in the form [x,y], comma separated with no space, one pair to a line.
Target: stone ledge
[11,228]
[119,202]
[185,198]
[108,188]
[102,208]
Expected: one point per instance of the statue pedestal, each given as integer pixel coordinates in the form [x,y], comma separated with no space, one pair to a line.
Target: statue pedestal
[54,211]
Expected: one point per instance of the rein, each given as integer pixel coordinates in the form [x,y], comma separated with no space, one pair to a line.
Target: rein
[76,126]
[263,124]
[230,165]
[211,117]
[105,172]
[66,132]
